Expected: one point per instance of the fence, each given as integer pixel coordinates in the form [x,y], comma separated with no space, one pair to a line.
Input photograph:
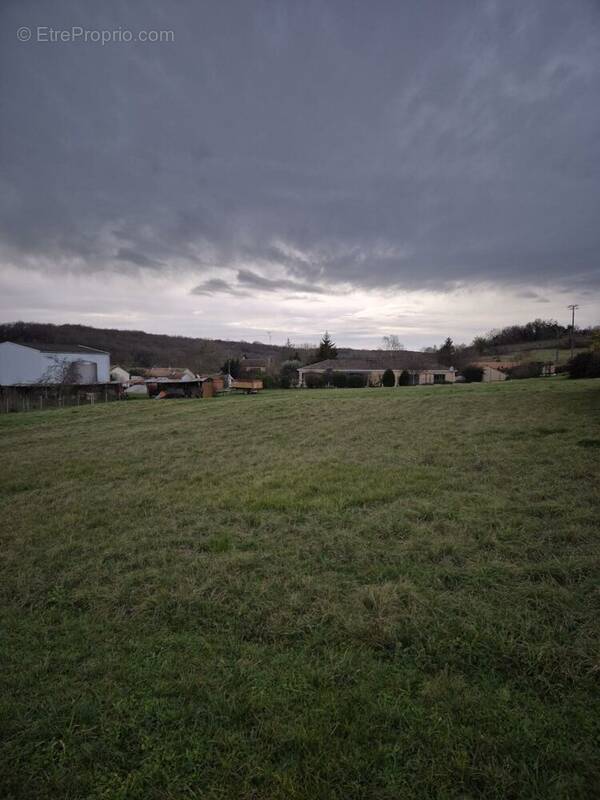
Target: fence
[38,397]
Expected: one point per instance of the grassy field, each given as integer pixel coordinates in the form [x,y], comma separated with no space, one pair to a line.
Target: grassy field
[525,355]
[380,593]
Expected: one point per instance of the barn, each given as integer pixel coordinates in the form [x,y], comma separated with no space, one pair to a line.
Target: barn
[49,363]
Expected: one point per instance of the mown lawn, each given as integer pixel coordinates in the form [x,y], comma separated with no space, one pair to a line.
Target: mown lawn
[322,594]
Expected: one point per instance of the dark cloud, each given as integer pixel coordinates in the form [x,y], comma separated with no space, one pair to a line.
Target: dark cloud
[247,280]
[253,280]
[217,286]
[139,259]
[334,144]
[531,295]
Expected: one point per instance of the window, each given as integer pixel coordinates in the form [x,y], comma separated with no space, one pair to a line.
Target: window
[439,377]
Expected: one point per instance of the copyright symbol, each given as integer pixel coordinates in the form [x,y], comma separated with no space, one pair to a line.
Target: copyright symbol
[24,34]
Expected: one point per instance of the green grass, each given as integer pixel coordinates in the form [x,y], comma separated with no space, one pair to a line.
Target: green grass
[557,356]
[386,594]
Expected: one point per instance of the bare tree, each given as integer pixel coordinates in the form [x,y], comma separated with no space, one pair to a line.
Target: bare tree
[392,342]
[62,371]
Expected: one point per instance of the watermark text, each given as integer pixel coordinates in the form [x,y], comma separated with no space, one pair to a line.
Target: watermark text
[77,34]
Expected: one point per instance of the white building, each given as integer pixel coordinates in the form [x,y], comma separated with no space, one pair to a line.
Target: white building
[119,375]
[417,368]
[28,363]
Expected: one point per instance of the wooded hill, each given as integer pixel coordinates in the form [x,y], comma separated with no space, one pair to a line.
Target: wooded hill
[140,349]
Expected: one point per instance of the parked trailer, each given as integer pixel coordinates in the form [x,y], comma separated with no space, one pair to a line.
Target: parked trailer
[249,386]
[162,390]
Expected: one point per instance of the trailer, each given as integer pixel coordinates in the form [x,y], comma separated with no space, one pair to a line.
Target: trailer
[247,385]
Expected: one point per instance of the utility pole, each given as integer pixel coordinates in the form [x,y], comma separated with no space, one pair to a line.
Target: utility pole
[573,306]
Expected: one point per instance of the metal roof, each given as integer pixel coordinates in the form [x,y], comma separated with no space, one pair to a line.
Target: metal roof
[59,348]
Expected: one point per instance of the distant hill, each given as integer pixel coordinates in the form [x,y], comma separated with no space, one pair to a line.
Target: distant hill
[140,349]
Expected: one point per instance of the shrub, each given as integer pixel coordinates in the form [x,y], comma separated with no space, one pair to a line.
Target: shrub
[388,379]
[404,379]
[356,380]
[271,382]
[473,374]
[289,373]
[314,380]
[340,380]
[585,365]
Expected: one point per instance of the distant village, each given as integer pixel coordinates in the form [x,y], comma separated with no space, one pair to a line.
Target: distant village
[38,375]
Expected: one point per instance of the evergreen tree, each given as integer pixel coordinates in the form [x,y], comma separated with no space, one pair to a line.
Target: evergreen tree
[232,366]
[388,378]
[327,348]
[447,353]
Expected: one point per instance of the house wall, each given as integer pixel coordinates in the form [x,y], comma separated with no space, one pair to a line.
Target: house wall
[246,369]
[426,376]
[491,374]
[101,360]
[20,364]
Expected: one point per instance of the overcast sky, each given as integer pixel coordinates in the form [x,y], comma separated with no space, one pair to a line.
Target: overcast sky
[421,168]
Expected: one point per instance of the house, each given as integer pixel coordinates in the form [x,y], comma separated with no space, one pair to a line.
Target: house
[52,364]
[494,371]
[504,366]
[169,374]
[119,375]
[548,368]
[252,365]
[420,368]
[219,381]
[500,370]
[491,373]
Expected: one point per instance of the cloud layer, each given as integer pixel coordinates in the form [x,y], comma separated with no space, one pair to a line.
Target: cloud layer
[306,148]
